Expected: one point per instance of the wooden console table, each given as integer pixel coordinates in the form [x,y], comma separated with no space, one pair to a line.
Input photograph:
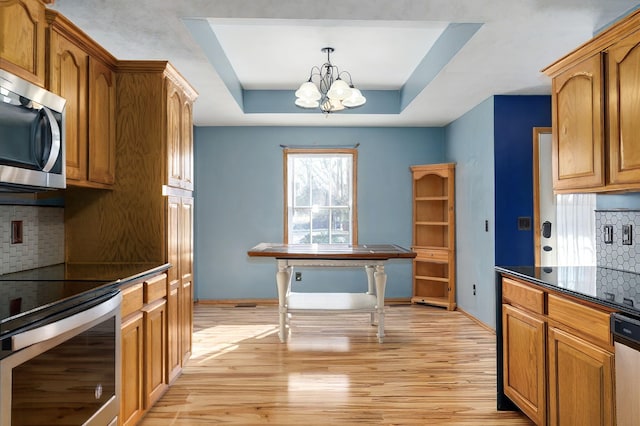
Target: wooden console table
[370,256]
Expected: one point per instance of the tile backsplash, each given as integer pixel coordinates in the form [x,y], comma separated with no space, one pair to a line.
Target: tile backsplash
[42,242]
[617,255]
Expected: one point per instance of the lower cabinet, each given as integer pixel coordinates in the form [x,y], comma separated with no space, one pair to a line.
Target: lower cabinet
[580,381]
[524,362]
[145,323]
[155,343]
[558,362]
[131,404]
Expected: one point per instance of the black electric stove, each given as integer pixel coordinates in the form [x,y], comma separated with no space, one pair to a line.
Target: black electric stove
[29,299]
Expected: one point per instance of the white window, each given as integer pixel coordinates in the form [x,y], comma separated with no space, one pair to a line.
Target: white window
[320,196]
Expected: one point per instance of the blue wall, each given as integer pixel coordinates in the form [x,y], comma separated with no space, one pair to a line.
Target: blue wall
[239,203]
[469,142]
[515,118]
[492,146]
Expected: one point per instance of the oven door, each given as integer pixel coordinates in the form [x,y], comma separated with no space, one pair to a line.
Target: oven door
[70,375]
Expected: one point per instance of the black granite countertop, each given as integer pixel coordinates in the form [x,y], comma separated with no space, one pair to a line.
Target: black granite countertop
[612,288]
[87,272]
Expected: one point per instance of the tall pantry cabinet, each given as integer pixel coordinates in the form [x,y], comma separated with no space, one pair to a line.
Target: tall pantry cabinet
[155,109]
[434,235]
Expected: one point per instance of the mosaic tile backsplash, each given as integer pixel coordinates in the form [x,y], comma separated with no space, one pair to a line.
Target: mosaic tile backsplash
[43,237]
[617,255]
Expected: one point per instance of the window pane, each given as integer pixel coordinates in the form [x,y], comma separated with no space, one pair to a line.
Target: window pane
[301,188]
[301,220]
[320,187]
[319,191]
[341,182]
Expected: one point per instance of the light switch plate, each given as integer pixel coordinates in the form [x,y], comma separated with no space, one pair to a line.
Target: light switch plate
[627,239]
[608,234]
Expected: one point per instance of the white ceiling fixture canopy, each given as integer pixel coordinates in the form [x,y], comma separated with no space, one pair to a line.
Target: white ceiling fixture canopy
[327,89]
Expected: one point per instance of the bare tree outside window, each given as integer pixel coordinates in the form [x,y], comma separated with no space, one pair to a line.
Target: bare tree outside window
[320,194]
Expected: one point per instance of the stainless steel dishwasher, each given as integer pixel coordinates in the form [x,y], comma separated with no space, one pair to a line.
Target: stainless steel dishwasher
[626,336]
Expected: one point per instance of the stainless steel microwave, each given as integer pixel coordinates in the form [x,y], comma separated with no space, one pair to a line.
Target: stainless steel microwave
[32,145]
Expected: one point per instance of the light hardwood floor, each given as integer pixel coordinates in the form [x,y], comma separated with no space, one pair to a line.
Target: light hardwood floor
[435,367]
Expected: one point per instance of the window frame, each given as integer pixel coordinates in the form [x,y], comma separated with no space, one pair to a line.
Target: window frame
[354,184]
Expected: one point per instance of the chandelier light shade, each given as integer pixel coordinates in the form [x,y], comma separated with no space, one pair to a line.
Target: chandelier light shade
[326,89]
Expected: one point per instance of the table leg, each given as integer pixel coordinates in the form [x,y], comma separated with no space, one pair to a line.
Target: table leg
[283,281]
[381,282]
[370,288]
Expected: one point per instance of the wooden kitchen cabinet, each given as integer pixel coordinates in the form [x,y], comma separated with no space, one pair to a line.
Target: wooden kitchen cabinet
[102,123]
[558,361]
[434,235]
[82,72]
[155,343]
[180,288]
[131,397]
[22,39]
[596,147]
[580,381]
[186,276]
[524,337]
[144,347]
[623,68]
[577,123]
[179,137]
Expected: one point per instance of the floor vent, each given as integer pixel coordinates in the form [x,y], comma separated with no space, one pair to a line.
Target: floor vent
[246,305]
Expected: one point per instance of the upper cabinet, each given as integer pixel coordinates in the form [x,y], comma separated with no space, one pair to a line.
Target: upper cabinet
[623,67]
[81,71]
[595,102]
[22,39]
[102,123]
[179,135]
[578,141]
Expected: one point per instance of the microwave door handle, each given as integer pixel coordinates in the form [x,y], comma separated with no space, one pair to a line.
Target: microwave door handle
[55,141]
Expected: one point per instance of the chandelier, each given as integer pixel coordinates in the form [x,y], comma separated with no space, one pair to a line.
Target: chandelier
[326,89]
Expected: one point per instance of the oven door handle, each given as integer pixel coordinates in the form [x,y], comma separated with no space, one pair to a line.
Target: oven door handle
[50,331]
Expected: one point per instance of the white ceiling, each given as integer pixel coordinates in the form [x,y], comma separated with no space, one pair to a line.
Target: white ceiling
[272,45]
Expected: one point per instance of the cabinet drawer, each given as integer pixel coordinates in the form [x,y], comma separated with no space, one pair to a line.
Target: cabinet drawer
[523,295]
[131,299]
[590,321]
[432,255]
[155,288]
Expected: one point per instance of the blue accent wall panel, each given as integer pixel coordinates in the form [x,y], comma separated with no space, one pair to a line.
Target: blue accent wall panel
[515,117]
[470,145]
[239,203]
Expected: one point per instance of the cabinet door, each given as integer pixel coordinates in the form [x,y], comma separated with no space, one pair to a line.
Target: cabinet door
[578,142]
[524,362]
[102,123]
[22,39]
[624,104]
[187,145]
[155,344]
[186,277]
[68,77]
[174,132]
[580,382]
[131,401]
[173,289]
